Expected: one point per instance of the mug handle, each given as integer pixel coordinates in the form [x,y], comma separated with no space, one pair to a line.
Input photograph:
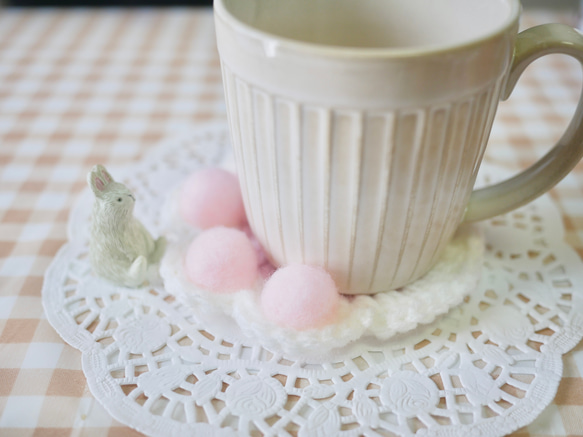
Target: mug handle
[556,164]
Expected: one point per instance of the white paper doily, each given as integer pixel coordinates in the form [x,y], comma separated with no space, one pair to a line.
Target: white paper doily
[486,368]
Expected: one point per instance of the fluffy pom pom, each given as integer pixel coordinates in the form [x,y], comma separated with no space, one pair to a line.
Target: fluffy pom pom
[221,260]
[212,197]
[300,297]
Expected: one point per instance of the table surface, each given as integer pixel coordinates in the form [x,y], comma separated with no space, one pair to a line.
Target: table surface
[83,87]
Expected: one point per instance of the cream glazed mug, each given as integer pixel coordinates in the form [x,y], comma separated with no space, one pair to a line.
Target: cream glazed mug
[358,126]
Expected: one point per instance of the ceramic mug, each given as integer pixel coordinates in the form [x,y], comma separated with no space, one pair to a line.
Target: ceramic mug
[358,126]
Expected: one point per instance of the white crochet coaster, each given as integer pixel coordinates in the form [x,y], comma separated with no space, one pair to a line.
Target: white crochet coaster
[380,316]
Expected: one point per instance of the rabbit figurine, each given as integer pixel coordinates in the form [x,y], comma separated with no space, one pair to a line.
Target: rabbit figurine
[120,248]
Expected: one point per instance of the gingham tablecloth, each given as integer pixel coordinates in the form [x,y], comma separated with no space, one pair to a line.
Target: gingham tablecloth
[83,87]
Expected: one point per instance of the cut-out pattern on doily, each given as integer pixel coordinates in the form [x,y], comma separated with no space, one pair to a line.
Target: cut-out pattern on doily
[486,368]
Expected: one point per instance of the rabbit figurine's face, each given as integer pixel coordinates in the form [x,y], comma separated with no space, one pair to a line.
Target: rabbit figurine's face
[113,197]
[117,196]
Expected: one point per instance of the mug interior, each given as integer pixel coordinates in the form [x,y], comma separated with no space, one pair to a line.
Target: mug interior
[375,23]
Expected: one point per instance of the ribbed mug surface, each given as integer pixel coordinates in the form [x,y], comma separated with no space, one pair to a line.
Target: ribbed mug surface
[361,164]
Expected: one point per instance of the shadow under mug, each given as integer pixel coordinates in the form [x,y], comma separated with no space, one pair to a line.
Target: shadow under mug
[359,126]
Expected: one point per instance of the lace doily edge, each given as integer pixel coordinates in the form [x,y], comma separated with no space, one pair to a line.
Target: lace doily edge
[52,302]
[104,387]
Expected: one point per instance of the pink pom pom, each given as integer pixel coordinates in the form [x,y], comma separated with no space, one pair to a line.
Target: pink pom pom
[300,297]
[221,260]
[212,197]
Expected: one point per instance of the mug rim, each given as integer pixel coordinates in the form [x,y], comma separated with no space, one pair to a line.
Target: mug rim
[324,50]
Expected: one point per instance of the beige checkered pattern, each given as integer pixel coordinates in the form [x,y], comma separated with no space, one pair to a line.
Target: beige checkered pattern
[84,87]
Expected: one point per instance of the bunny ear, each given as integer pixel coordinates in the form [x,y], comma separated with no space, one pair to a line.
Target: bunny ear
[104,174]
[96,181]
